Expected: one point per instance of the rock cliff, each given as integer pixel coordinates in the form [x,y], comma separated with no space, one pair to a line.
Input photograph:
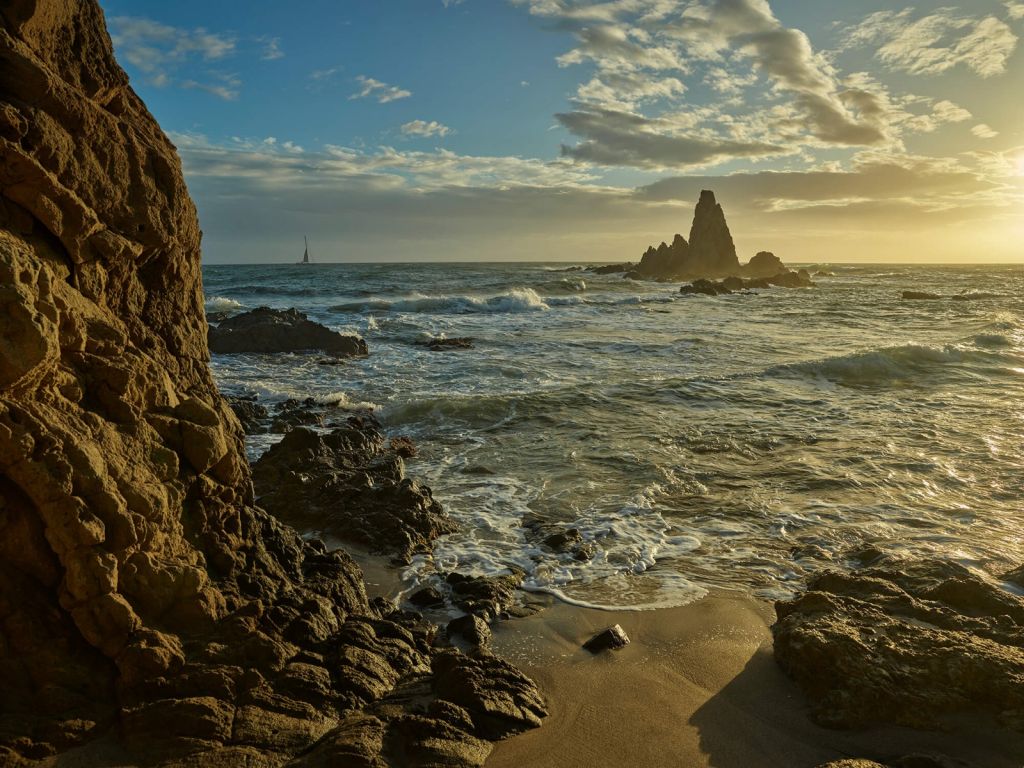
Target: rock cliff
[147,608]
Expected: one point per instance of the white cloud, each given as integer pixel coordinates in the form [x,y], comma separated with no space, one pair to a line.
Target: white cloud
[983,131]
[226,88]
[423,129]
[937,42]
[153,47]
[378,90]
[271,49]
[1015,9]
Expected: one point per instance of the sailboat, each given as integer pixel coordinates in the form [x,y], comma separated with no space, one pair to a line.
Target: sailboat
[305,254]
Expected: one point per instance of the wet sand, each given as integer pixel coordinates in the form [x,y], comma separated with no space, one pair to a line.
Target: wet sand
[697,686]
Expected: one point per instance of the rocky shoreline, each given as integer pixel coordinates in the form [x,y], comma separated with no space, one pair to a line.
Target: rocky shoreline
[156,607]
[150,612]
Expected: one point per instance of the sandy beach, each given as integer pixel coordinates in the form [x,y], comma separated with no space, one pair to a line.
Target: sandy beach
[697,686]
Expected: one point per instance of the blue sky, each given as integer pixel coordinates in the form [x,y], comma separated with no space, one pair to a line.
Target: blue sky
[584,129]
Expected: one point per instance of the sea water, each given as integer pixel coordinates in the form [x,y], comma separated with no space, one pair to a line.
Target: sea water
[740,441]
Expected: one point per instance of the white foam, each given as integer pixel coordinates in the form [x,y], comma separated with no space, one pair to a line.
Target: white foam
[222,304]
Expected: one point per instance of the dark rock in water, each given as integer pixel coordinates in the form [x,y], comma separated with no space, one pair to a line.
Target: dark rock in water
[488,597]
[350,483]
[266,331]
[974,296]
[705,288]
[297,413]
[472,628]
[799,279]
[612,269]
[217,317]
[151,613]
[444,344]
[500,700]
[249,412]
[564,541]
[428,597]
[665,260]
[610,639]
[764,264]
[403,446]
[919,296]
[904,643]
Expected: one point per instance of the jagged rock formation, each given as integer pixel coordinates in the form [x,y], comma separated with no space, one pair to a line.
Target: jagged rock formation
[147,608]
[709,253]
[266,331]
[350,483]
[905,643]
[712,252]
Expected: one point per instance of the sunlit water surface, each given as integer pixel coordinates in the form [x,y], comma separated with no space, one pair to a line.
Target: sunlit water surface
[739,441]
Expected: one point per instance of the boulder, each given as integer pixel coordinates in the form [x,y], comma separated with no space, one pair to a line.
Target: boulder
[472,628]
[904,643]
[266,331]
[250,413]
[445,344]
[764,264]
[488,597]
[790,279]
[610,639]
[148,609]
[351,483]
[612,269]
[705,288]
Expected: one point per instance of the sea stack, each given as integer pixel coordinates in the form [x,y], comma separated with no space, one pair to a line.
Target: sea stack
[146,605]
[712,252]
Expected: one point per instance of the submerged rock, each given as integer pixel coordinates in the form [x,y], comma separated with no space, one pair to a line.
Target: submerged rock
[609,639]
[266,331]
[919,296]
[705,288]
[350,483]
[445,344]
[904,643]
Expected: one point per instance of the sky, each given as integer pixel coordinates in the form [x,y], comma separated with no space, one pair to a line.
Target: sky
[584,130]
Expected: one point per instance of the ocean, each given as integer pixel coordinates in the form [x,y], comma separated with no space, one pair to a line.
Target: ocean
[736,442]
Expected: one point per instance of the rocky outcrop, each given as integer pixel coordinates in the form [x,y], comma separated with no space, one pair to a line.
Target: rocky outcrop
[785,279]
[145,602]
[712,252]
[709,254]
[265,330]
[350,483]
[764,264]
[905,643]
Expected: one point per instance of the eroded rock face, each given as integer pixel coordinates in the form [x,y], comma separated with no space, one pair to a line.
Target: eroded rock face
[264,331]
[712,252]
[905,643]
[351,483]
[143,598]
